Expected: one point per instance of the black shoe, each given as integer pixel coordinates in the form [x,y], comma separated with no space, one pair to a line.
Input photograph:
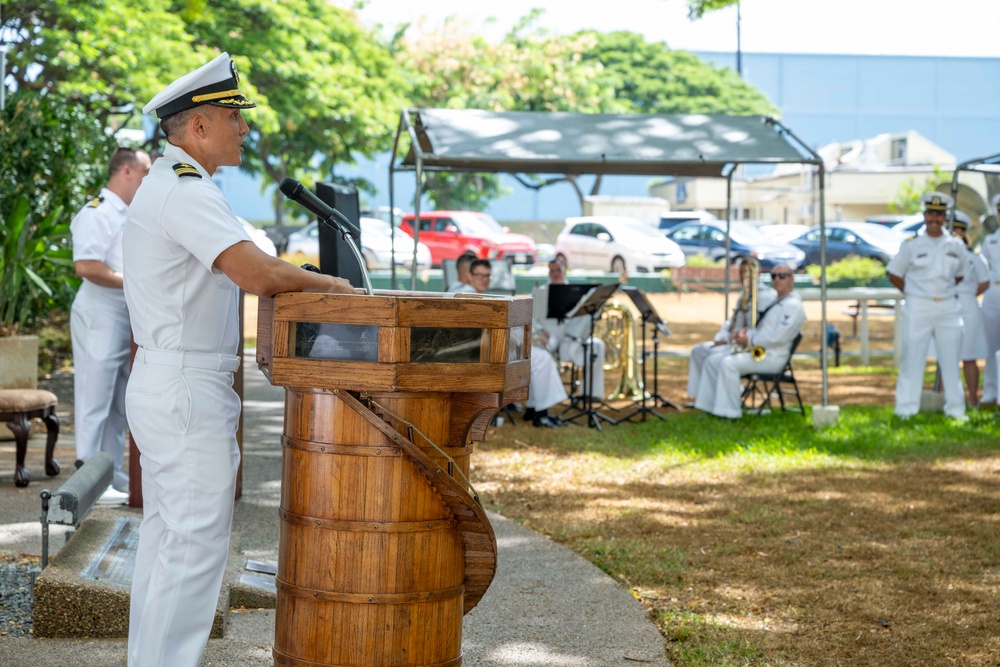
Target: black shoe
[548,422]
[529,414]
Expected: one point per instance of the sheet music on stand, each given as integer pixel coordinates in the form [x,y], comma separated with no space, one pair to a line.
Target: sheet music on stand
[564,298]
[646,309]
[649,315]
[590,304]
[593,300]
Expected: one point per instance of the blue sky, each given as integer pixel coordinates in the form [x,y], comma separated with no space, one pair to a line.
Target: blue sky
[876,27]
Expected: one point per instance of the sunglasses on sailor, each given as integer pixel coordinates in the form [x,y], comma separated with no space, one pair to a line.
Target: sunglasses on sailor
[781,275]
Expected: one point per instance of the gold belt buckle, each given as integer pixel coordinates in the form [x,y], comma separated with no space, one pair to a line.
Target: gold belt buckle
[939,298]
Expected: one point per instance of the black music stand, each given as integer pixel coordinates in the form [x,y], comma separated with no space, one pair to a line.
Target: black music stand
[649,316]
[591,304]
[562,298]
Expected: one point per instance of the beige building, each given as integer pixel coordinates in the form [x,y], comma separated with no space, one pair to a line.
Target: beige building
[862,178]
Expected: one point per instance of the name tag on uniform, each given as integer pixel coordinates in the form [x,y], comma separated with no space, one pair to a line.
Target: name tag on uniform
[952,254]
[923,254]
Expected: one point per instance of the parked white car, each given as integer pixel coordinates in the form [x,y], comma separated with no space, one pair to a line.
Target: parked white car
[616,244]
[376,246]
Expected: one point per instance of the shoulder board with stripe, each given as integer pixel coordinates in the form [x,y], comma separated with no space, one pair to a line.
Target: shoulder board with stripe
[94,203]
[184,169]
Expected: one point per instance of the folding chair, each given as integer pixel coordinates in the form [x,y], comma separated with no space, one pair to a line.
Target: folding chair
[760,387]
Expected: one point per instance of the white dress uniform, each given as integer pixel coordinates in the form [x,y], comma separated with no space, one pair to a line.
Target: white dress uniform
[929,266]
[719,344]
[458,287]
[99,326]
[181,405]
[570,340]
[973,332]
[990,250]
[720,389]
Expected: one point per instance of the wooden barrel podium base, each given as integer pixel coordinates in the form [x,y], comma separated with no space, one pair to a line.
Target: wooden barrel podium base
[371,566]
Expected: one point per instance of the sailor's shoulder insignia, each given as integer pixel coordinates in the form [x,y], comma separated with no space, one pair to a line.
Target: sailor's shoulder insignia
[94,203]
[183,169]
[910,238]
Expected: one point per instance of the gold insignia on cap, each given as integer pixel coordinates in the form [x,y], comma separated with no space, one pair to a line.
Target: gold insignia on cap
[184,169]
[212,97]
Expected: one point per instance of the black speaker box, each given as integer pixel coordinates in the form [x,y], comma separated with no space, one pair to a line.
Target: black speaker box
[335,257]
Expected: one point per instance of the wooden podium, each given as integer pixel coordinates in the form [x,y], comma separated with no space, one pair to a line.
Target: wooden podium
[383,543]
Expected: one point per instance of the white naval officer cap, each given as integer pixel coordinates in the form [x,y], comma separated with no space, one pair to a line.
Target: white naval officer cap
[961,221]
[936,201]
[215,83]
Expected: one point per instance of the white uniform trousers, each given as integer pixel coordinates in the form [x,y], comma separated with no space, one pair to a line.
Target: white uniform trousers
[101,335]
[720,387]
[545,387]
[924,318]
[696,362]
[973,332]
[184,422]
[991,326]
[577,353]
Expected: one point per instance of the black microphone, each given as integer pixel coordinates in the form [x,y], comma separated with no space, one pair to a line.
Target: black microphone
[298,192]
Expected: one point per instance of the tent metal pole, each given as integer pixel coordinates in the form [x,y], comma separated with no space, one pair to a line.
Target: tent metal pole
[729,215]
[823,352]
[419,155]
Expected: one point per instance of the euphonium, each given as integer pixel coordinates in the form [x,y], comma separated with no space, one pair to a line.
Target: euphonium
[745,313]
[617,329]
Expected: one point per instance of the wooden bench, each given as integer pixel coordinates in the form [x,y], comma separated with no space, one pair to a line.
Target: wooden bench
[875,308]
[17,408]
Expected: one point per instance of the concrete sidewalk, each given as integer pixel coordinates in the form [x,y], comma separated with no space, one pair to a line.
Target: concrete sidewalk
[546,606]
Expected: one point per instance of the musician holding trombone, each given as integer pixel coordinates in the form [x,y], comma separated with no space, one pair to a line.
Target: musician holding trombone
[750,280]
[762,348]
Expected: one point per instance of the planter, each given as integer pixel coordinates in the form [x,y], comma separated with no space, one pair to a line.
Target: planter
[18,368]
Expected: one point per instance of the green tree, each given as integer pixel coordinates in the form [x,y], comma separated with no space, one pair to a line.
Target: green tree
[588,72]
[698,8]
[326,89]
[528,70]
[907,198]
[649,77]
[53,158]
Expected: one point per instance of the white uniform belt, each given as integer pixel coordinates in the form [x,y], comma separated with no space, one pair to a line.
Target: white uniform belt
[182,359]
[932,298]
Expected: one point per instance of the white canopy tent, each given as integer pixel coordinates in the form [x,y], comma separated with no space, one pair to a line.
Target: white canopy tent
[535,142]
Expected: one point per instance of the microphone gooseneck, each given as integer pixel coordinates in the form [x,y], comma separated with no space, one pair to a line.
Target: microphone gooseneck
[329,216]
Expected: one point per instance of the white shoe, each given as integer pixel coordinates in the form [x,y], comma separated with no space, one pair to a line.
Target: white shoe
[113,497]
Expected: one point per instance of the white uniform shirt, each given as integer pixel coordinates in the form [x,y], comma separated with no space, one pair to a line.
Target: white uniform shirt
[779,326]
[97,230]
[976,271]
[990,250]
[765,297]
[929,265]
[177,226]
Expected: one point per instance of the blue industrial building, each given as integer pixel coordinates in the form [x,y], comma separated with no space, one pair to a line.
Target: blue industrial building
[953,102]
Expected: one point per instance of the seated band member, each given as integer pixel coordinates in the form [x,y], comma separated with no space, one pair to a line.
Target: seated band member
[721,343]
[463,279]
[720,388]
[545,387]
[569,339]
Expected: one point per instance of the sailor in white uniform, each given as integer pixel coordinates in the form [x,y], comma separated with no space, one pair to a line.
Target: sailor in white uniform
[720,388]
[720,342]
[990,250]
[545,387]
[569,339]
[976,281]
[99,320]
[927,270]
[186,258]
